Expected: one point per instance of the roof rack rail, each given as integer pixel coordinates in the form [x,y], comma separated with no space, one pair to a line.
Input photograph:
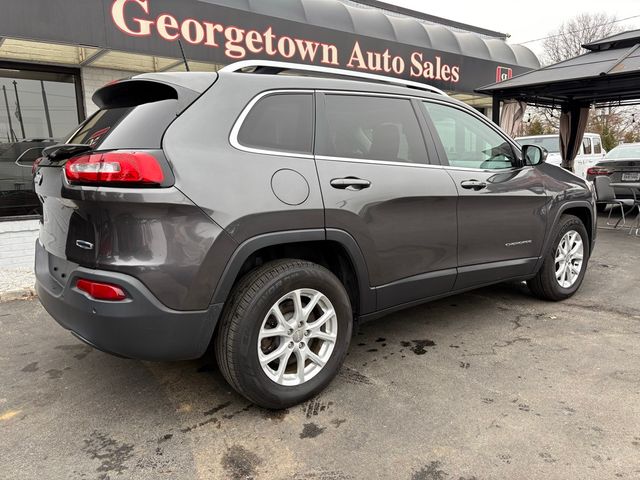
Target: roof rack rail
[273,68]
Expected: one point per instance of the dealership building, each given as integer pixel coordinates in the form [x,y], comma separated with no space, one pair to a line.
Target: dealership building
[55,54]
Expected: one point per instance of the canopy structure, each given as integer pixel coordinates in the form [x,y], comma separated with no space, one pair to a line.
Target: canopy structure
[607,75]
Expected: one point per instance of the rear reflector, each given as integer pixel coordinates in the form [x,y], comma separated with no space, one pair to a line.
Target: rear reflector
[101,291]
[120,167]
[598,171]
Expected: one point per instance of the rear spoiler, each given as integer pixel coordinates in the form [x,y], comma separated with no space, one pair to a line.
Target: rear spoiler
[154,87]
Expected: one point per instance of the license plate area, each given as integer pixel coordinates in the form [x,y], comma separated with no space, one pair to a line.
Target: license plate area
[631,177]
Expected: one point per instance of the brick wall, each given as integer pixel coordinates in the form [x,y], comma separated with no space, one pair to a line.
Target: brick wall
[95,78]
[17,244]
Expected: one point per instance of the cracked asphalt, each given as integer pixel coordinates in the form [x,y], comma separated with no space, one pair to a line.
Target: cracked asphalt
[492,384]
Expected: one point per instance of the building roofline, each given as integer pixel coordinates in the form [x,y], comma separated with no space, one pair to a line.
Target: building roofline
[432,18]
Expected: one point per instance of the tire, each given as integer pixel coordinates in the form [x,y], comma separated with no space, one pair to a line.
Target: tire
[545,284]
[251,310]
[601,207]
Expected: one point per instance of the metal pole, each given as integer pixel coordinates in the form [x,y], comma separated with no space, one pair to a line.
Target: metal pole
[495,110]
[6,102]
[15,87]
[46,109]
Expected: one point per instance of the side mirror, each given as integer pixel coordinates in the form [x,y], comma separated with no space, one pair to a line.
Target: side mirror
[29,156]
[534,155]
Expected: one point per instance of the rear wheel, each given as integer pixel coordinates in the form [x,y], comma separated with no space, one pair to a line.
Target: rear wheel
[565,264]
[285,333]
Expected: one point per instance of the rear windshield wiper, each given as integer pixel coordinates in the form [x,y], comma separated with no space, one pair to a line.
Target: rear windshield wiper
[63,151]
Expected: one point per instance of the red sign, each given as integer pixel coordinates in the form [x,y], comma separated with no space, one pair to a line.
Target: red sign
[503,73]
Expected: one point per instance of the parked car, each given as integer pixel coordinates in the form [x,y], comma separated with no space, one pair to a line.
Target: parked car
[268,214]
[622,164]
[590,153]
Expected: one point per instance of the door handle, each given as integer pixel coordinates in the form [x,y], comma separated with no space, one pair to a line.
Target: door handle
[473,185]
[350,183]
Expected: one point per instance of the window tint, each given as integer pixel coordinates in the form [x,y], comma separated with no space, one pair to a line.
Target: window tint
[586,146]
[373,128]
[469,142]
[597,145]
[280,122]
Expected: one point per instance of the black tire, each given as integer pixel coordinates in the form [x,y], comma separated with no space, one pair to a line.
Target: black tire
[601,207]
[545,285]
[237,336]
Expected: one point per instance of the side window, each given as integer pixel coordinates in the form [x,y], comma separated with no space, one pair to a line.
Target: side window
[281,122]
[469,142]
[373,128]
[586,146]
[597,145]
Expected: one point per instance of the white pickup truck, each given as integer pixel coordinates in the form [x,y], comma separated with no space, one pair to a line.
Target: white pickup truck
[591,150]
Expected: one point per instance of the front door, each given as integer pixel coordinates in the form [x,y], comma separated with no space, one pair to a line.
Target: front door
[502,205]
[378,186]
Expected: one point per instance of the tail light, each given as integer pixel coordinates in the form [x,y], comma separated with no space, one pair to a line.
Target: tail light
[101,291]
[119,167]
[598,171]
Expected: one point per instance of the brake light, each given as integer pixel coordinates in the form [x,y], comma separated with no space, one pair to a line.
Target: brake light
[101,291]
[119,167]
[598,171]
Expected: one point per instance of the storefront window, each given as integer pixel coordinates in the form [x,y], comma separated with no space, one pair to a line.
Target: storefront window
[37,109]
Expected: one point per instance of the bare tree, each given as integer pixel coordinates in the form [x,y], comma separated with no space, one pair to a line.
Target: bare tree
[567,41]
[614,124]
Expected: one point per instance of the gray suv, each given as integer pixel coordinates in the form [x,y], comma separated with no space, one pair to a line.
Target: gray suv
[264,215]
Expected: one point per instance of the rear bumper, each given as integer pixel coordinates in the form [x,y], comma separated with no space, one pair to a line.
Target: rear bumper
[139,327]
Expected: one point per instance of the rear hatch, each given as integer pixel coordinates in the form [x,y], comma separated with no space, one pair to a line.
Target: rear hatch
[622,171]
[114,153]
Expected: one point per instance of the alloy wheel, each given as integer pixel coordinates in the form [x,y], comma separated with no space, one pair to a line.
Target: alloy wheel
[297,337]
[569,259]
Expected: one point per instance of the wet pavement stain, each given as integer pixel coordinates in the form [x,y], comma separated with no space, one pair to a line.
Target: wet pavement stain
[355,377]
[217,409]
[311,430]
[79,351]
[201,424]
[32,367]
[381,339]
[240,463]
[432,471]
[420,346]
[55,374]
[313,407]
[321,475]
[338,421]
[275,415]
[112,454]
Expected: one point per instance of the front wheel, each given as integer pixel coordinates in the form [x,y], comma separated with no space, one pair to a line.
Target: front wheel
[285,333]
[565,263]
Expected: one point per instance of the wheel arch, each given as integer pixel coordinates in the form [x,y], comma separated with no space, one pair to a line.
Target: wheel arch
[582,209]
[333,249]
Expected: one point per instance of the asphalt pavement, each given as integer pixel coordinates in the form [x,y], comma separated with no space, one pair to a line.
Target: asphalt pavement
[492,384]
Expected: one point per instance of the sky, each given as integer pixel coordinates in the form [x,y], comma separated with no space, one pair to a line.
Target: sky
[524,21]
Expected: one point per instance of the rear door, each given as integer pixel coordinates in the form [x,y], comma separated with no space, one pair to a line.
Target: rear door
[502,214]
[379,186]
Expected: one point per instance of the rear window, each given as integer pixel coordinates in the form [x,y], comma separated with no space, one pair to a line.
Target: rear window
[98,126]
[280,122]
[141,126]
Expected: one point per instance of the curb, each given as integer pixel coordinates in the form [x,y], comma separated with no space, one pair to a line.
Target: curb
[21,294]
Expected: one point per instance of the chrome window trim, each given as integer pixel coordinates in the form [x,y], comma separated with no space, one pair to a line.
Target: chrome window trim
[235,131]
[237,66]
[374,94]
[410,164]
